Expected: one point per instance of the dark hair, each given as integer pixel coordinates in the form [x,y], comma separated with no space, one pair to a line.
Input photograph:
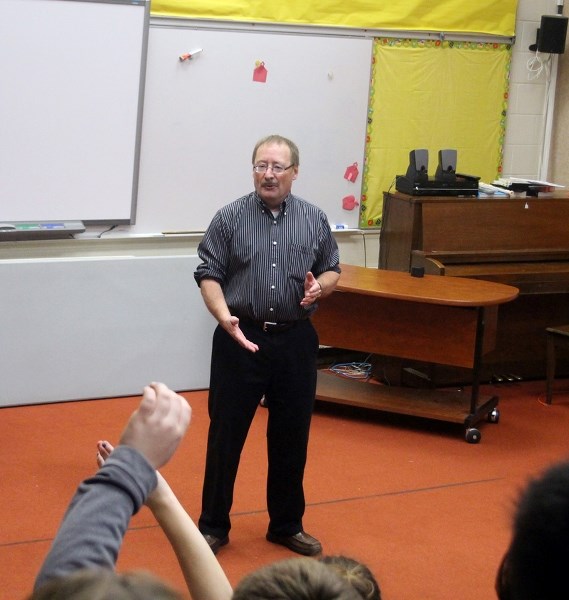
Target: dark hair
[535,565]
[279,139]
[103,584]
[294,579]
[356,573]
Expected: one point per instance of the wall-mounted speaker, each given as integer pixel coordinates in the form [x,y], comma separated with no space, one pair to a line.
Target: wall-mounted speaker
[552,34]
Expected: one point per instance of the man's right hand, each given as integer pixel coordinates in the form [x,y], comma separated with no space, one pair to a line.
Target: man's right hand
[233,329]
[215,302]
[158,425]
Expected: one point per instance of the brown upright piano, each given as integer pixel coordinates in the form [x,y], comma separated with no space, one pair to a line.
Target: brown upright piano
[522,242]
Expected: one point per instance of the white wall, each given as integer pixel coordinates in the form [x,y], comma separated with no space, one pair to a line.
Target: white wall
[79,328]
[528,98]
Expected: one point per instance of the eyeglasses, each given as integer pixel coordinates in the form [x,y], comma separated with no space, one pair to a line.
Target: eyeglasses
[276,169]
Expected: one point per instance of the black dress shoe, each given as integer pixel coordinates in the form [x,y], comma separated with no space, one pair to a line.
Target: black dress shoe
[300,542]
[214,542]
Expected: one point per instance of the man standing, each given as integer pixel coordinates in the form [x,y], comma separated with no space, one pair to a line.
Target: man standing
[267,259]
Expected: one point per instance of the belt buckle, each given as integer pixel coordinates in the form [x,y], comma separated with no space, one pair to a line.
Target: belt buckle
[267,324]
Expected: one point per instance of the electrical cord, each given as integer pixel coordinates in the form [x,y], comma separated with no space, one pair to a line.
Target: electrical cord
[536,66]
[106,231]
[353,370]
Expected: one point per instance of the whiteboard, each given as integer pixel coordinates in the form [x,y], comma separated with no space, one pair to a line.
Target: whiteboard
[71,108]
[203,116]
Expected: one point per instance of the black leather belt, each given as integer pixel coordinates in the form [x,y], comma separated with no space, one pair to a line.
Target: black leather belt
[269,326]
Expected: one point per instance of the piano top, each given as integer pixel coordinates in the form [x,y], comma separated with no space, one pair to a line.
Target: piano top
[442,224]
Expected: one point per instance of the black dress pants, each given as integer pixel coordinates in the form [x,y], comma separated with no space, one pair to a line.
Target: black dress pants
[284,371]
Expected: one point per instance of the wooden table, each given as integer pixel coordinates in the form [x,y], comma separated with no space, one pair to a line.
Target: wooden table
[434,319]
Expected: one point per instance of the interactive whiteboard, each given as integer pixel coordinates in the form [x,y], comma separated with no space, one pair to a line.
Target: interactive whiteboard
[71,108]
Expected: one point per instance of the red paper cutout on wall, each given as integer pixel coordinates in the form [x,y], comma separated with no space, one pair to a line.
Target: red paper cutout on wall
[349,203]
[352,172]
[260,72]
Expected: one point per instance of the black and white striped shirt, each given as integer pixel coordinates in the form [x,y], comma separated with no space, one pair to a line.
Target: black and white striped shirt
[261,260]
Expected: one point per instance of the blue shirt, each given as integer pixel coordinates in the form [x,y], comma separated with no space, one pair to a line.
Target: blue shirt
[261,260]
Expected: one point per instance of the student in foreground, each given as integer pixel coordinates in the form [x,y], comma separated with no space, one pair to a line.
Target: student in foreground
[81,561]
[356,573]
[295,579]
[204,576]
[535,564]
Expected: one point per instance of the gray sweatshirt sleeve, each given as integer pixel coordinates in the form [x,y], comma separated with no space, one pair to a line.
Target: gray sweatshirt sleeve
[92,530]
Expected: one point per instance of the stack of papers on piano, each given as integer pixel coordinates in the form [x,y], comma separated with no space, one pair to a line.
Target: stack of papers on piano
[487,190]
[520,188]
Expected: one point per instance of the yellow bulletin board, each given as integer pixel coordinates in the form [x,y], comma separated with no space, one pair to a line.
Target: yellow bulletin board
[433,95]
[483,16]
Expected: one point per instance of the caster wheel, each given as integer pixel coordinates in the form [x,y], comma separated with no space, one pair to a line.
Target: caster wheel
[472,435]
[493,416]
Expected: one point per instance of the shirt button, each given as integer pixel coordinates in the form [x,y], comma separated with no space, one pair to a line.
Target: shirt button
[274,243]
[272,287]
[273,265]
[271,310]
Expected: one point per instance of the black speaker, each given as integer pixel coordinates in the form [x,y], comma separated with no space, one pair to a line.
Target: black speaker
[418,168]
[552,34]
[446,169]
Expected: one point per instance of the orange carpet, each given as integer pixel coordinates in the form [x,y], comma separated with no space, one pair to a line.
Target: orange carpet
[428,512]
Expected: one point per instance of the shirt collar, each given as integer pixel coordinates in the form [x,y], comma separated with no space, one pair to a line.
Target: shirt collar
[283,204]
